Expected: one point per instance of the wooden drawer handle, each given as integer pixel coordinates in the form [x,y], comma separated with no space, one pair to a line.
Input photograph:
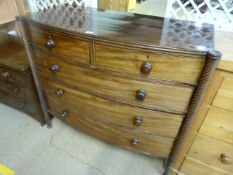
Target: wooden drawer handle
[141,94]
[64,114]
[54,68]
[225,159]
[16,90]
[135,142]
[60,92]
[22,105]
[138,121]
[50,44]
[5,75]
[146,67]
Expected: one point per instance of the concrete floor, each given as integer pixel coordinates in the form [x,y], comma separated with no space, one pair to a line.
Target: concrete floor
[29,149]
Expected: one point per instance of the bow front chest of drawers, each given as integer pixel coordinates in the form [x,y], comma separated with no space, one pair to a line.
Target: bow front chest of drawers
[131,80]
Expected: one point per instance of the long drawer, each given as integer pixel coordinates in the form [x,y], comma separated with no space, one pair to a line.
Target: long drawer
[105,130]
[181,68]
[74,49]
[128,117]
[143,94]
[218,124]
[193,167]
[12,76]
[22,104]
[212,152]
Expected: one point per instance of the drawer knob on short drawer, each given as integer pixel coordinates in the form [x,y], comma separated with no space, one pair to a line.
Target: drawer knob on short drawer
[16,90]
[225,159]
[5,75]
[141,94]
[135,142]
[64,114]
[22,105]
[146,67]
[54,68]
[59,92]
[138,121]
[50,43]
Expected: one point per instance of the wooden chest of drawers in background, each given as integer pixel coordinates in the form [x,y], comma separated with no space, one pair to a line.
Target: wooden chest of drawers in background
[211,151]
[123,78]
[16,82]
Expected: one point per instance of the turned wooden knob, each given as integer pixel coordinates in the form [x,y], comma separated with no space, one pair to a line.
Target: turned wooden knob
[16,90]
[59,92]
[135,142]
[138,121]
[50,43]
[141,94]
[146,67]
[22,106]
[64,114]
[225,159]
[54,68]
[5,75]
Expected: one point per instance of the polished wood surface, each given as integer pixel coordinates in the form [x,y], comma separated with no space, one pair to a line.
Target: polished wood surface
[152,122]
[128,28]
[76,50]
[209,150]
[194,167]
[218,124]
[185,68]
[158,96]
[18,59]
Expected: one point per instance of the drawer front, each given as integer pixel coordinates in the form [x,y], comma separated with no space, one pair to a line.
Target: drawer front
[212,152]
[140,142]
[143,94]
[185,69]
[128,117]
[193,167]
[12,76]
[218,124]
[71,48]
[22,104]
[14,89]
[224,97]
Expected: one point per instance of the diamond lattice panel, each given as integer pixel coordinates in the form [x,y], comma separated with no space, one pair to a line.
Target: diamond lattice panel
[218,12]
[38,5]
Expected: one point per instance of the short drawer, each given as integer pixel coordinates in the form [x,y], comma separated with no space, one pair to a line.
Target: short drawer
[128,117]
[12,76]
[143,94]
[181,68]
[212,152]
[193,167]
[224,97]
[218,124]
[15,90]
[74,49]
[22,104]
[135,141]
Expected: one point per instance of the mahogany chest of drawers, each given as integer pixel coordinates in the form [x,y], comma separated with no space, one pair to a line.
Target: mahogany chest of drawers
[16,82]
[131,80]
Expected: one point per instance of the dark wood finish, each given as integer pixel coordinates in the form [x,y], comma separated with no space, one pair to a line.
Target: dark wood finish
[17,88]
[96,84]
[154,122]
[159,96]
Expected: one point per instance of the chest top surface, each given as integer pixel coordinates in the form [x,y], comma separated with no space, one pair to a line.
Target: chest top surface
[128,28]
[12,53]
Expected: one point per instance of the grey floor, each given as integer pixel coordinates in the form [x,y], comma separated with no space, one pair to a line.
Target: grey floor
[29,149]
